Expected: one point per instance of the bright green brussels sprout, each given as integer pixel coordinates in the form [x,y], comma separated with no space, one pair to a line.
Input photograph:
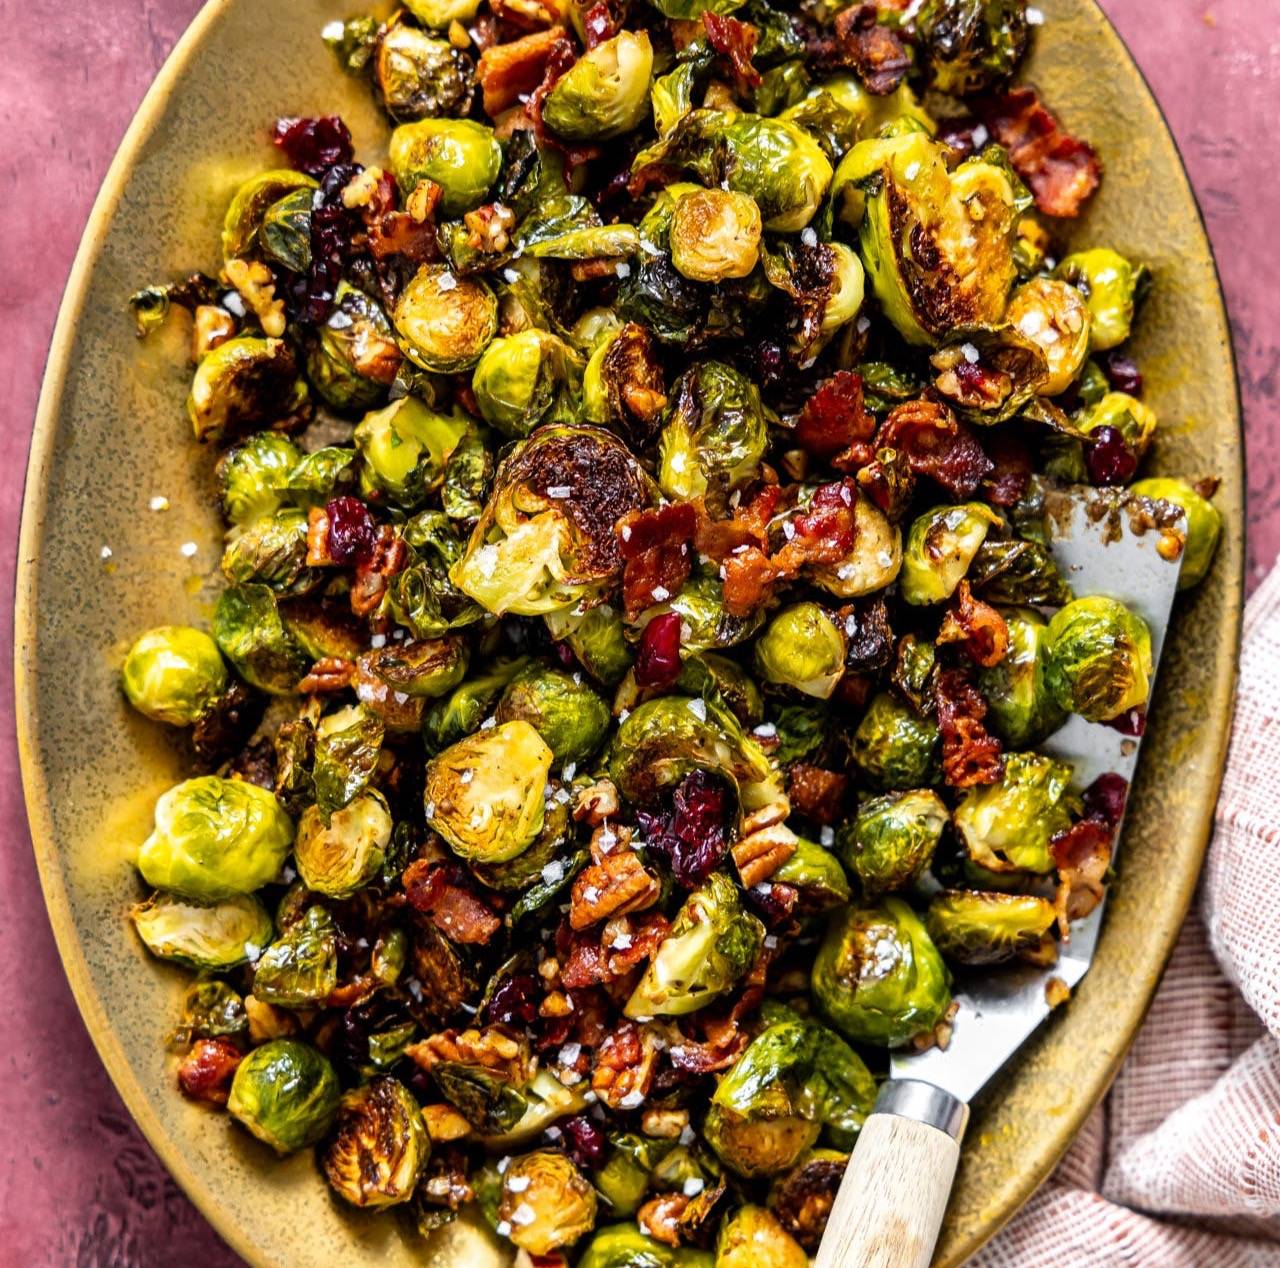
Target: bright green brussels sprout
[428,668]
[625,1246]
[840,112]
[173,674]
[597,639]
[441,14]
[348,744]
[716,431]
[623,1181]
[545,541]
[421,597]
[462,157]
[321,475]
[941,544]
[712,943]
[802,647]
[722,681]
[378,1146]
[485,793]
[253,478]
[519,378]
[605,92]
[1055,316]
[1021,710]
[544,1100]
[715,233]
[705,623]
[285,1093]
[249,205]
[1109,284]
[569,716]
[894,747]
[755,1146]
[878,977]
[1099,658]
[890,841]
[242,385]
[272,551]
[251,635]
[460,713]
[285,233]
[418,76]
[209,1008]
[1135,421]
[752,1236]
[974,927]
[848,288]
[971,46]
[1204,524]
[404,449]
[300,968]
[344,855]
[546,1202]
[445,322]
[1008,826]
[205,936]
[874,561]
[817,877]
[215,838]
[353,358]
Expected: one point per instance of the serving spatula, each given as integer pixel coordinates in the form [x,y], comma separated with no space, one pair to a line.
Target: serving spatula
[890,1205]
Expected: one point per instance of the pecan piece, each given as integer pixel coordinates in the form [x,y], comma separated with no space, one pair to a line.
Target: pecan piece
[660,1217]
[624,1066]
[613,886]
[494,1048]
[318,554]
[766,843]
[328,674]
[388,557]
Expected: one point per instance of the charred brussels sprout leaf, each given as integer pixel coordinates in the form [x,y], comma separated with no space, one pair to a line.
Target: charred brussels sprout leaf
[244,214]
[1020,708]
[272,551]
[173,673]
[894,746]
[461,156]
[890,841]
[404,449]
[605,92]
[300,969]
[569,716]
[1204,524]
[971,46]
[346,854]
[1109,284]
[752,1236]
[715,233]
[418,76]
[972,927]
[1011,570]
[940,547]
[1099,658]
[422,598]
[242,385]
[802,647]
[378,1145]
[209,1008]
[253,478]
[445,322]
[321,475]
[204,936]
[561,1200]
[285,1093]
[353,357]
[251,635]
[461,713]
[802,1198]
[285,233]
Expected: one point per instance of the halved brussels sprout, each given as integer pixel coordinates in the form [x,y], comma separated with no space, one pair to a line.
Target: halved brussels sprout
[405,448]
[242,385]
[817,877]
[353,358]
[623,384]
[873,563]
[205,936]
[895,747]
[427,668]
[285,1093]
[1008,826]
[545,1099]
[460,713]
[605,92]
[803,647]
[285,233]
[752,1236]
[1055,316]
[485,793]
[348,853]
[418,76]
[300,968]
[253,478]
[754,1146]
[441,14]
[1109,285]
[250,203]
[802,1199]
[597,639]
[974,927]
[940,547]
[462,157]
[321,475]
[215,838]
[624,1179]
[445,322]
[878,977]
[625,1246]
[971,46]
[1134,420]
[348,744]
[272,551]
[712,943]
[890,841]
[848,289]
[545,541]
[569,716]
[1204,524]
[378,1146]
[519,377]
[1021,710]
[715,233]
[546,1202]
[173,673]
[1099,658]
[250,633]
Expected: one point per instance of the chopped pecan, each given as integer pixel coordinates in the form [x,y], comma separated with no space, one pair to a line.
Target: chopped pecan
[717,1052]
[444,1180]
[423,199]
[318,554]
[211,326]
[444,1123]
[1056,992]
[495,1048]
[970,755]
[388,557]
[206,1071]
[490,228]
[815,793]
[977,625]
[257,288]
[624,1066]
[510,71]
[444,892]
[664,1122]
[660,1217]
[761,852]
[613,886]
[528,15]
[328,674]
[596,803]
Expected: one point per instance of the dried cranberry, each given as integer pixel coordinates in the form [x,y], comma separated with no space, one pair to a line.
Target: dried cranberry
[564,654]
[775,901]
[658,661]
[1123,374]
[514,1001]
[1109,458]
[1130,722]
[961,135]
[584,1140]
[315,144]
[1105,797]
[333,228]
[352,532]
[694,837]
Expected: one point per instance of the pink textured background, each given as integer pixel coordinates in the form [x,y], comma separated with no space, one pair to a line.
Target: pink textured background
[78,1184]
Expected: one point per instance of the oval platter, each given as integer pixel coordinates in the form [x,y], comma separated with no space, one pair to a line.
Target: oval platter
[111,435]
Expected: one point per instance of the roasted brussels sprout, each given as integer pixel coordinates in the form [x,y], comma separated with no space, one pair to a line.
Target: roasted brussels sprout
[285,1093]
[1204,524]
[285,233]
[872,564]
[461,713]
[605,92]
[300,969]
[973,927]
[705,624]
[839,111]
[242,385]
[544,1100]
[970,46]
[715,233]
[484,794]
[752,1236]
[712,943]
[519,379]
[173,673]
[445,322]
[624,1179]
[1134,421]
[339,858]
[1053,315]
[348,743]
[546,1202]
[878,977]
[428,668]
[405,448]
[895,747]
[253,478]
[890,841]
[245,212]
[378,1145]
[272,551]
[321,475]
[758,1146]
[418,76]
[209,1008]
[625,1246]
[816,876]
[205,936]
[1099,658]
[215,838]
[462,157]
[440,14]
[1109,285]
[353,358]
[803,647]
[597,639]
[250,633]
[940,547]
[802,1199]
[569,716]
[848,289]
[1021,710]
[1008,826]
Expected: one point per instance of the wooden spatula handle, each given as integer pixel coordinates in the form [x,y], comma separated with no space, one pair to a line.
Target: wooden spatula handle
[890,1205]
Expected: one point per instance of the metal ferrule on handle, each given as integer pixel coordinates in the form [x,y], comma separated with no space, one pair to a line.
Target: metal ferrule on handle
[924,1103]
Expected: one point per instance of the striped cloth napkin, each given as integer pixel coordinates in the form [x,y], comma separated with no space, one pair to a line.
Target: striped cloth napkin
[1180,1166]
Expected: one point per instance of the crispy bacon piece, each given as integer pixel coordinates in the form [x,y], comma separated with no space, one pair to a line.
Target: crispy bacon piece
[748,576]
[444,892]
[736,41]
[590,959]
[970,755]
[1082,855]
[935,444]
[718,1052]
[816,793]
[977,625]
[206,1071]
[1061,170]
[655,546]
[889,482]
[874,51]
[869,638]
[509,71]
[823,534]
[834,425]
[1011,468]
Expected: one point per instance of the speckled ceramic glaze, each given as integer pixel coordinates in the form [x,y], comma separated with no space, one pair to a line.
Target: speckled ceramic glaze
[97,565]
